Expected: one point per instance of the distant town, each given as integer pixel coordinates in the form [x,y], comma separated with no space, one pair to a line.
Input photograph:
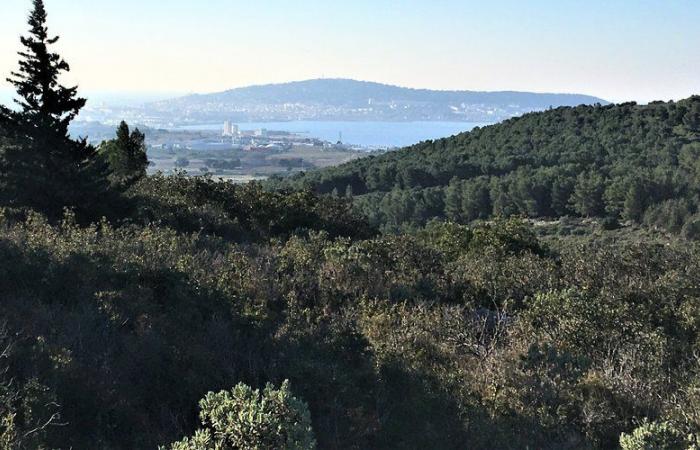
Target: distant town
[262,139]
[231,152]
[242,155]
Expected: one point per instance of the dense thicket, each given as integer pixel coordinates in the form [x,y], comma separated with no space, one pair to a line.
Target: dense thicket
[638,163]
[480,337]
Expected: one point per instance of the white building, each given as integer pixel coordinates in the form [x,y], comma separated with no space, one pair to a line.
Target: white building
[230,129]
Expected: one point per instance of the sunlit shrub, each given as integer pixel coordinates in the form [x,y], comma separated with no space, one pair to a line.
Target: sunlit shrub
[244,418]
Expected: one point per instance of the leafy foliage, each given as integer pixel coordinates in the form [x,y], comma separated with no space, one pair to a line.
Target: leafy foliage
[440,338]
[241,212]
[656,436]
[244,418]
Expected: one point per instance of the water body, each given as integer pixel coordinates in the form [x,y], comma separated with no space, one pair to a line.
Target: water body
[365,134]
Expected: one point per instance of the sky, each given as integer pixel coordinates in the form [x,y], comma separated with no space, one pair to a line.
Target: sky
[619,50]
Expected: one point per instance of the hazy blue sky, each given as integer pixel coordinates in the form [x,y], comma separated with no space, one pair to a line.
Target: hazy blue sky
[616,49]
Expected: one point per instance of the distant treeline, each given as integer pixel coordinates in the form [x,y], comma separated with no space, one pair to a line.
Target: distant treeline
[630,162]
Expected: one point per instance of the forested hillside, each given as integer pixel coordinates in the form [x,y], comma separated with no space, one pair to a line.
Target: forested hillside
[631,162]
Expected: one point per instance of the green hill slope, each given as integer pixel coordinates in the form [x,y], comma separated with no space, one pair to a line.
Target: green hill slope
[626,161]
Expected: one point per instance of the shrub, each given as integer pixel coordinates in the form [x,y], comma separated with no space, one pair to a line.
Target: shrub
[691,229]
[508,236]
[610,223]
[248,419]
[654,436]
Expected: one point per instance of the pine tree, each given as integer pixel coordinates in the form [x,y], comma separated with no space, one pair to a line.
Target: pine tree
[587,198]
[635,201]
[126,155]
[43,168]
[42,98]
[562,189]
[476,201]
[453,200]
[691,120]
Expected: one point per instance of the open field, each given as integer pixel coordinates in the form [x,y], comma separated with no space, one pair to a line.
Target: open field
[243,165]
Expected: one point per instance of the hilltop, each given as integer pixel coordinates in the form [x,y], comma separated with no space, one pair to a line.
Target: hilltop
[343,99]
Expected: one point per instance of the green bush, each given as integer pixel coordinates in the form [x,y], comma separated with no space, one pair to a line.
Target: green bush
[655,436]
[244,418]
[610,224]
[691,229]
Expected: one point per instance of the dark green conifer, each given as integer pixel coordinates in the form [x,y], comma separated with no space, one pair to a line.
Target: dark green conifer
[42,98]
[635,202]
[126,155]
[41,167]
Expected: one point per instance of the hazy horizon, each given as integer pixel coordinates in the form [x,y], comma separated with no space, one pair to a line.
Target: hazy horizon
[629,50]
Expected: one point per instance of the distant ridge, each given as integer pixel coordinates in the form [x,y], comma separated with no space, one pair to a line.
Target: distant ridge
[344,99]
